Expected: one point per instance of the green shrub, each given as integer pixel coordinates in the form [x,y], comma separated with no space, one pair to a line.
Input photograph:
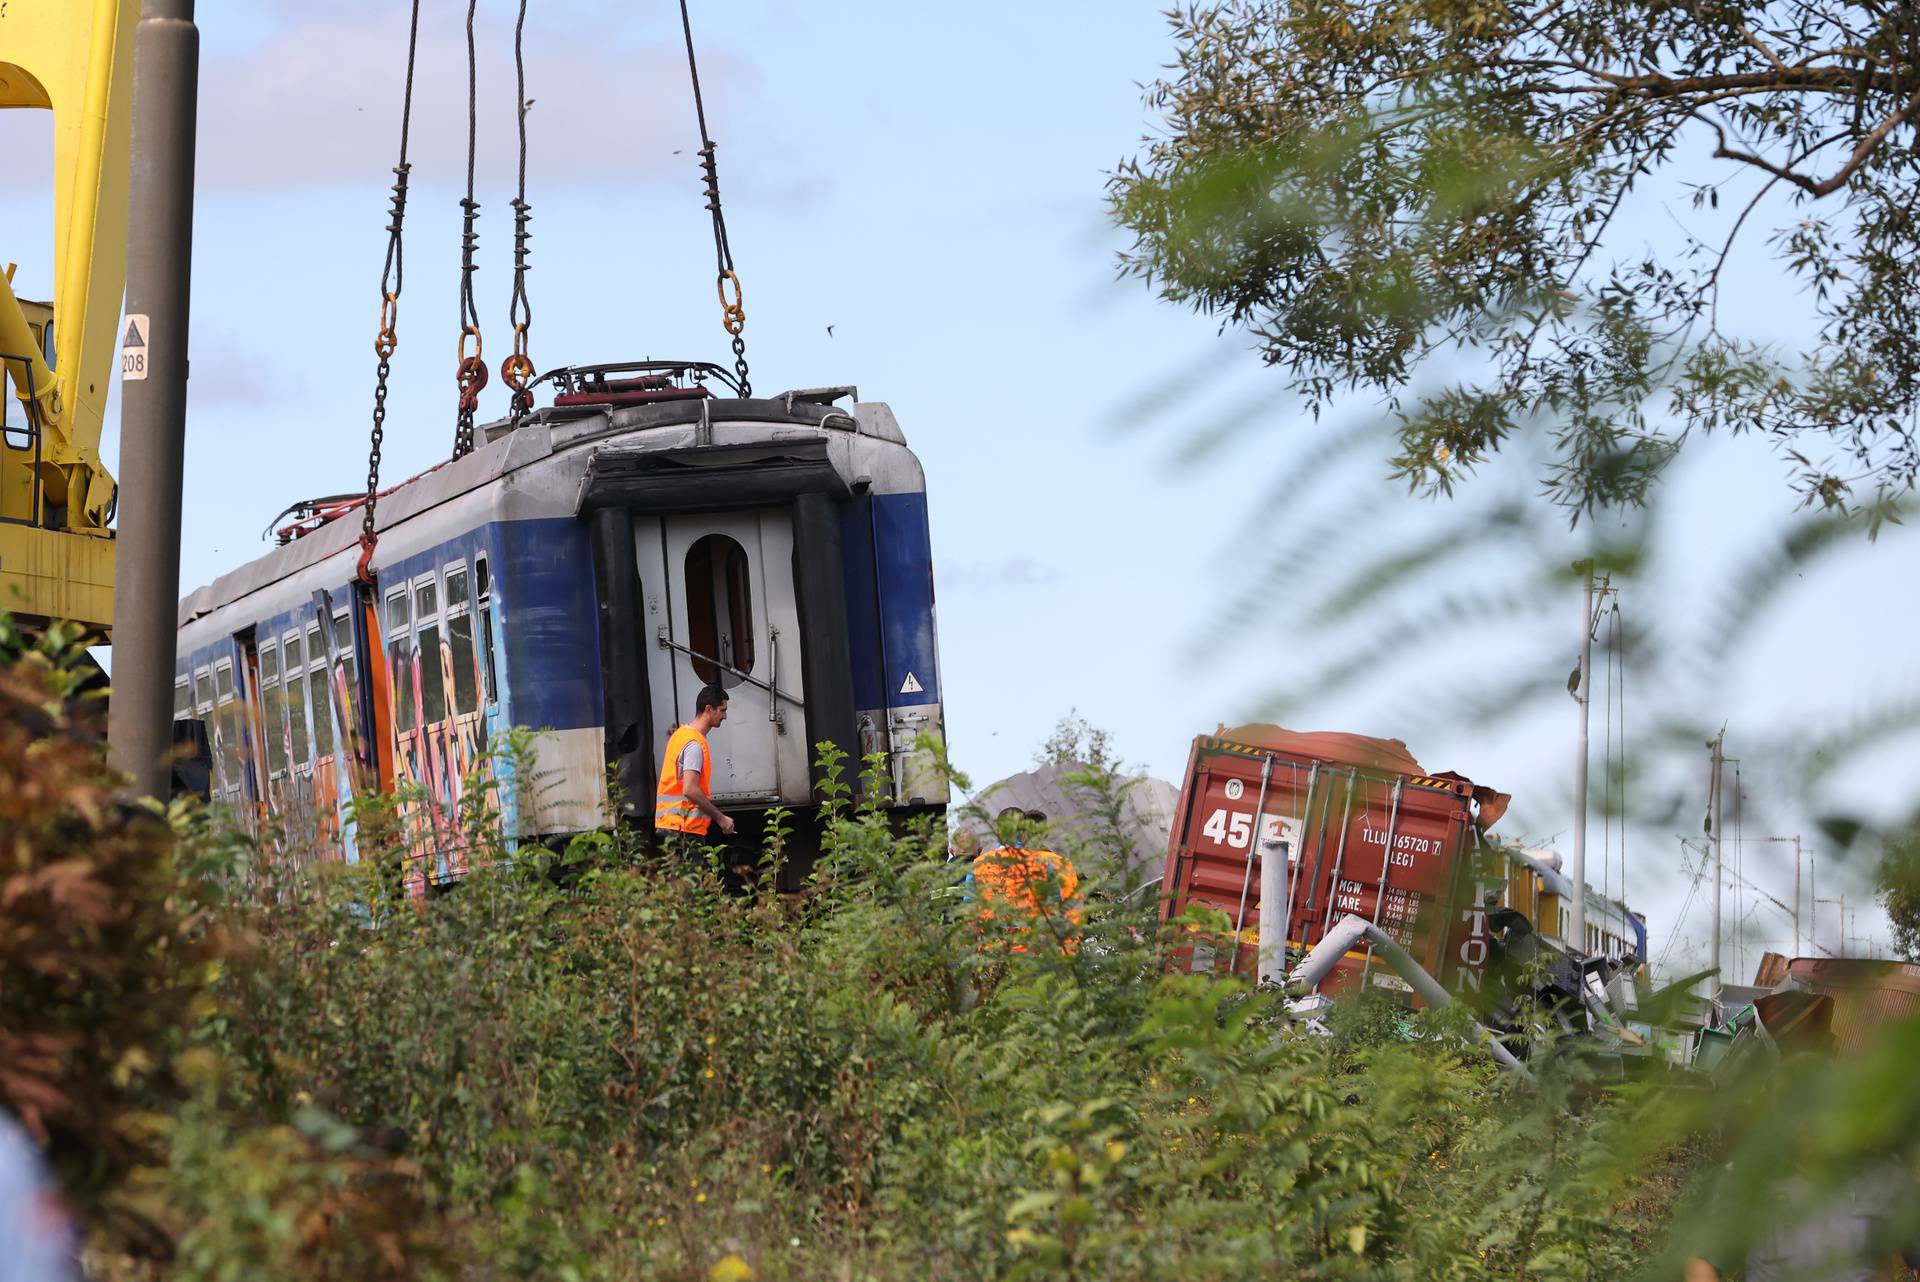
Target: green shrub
[595,1063]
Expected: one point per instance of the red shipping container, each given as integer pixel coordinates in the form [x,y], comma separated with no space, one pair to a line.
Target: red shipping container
[1363,829]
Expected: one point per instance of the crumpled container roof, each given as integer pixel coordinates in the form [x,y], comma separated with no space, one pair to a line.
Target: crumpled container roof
[1389,755]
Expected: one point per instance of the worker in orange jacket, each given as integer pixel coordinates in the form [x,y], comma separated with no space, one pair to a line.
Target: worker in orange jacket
[683,806]
[1025,889]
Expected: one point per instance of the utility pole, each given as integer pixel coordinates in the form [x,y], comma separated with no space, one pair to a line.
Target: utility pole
[1713,821]
[153,405]
[1796,896]
[1584,697]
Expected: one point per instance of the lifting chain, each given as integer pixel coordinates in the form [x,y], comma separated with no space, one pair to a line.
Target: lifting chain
[516,371]
[733,312]
[470,373]
[387,339]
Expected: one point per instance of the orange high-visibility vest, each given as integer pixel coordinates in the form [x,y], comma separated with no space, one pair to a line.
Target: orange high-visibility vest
[1008,882]
[672,811]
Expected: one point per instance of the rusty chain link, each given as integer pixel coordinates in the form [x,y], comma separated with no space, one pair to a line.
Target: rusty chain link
[471,376]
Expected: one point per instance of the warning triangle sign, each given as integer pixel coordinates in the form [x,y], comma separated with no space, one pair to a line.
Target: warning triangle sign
[134,337]
[911,685]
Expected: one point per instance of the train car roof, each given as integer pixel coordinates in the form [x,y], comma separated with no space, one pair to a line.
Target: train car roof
[1547,864]
[544,434]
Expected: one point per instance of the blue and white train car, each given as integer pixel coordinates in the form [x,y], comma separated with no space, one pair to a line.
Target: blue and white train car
[583,574]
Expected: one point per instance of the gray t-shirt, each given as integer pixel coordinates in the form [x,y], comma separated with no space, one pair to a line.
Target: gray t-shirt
[693,756]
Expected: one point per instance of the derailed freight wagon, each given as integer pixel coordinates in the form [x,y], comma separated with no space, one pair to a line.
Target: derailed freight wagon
[1330,825]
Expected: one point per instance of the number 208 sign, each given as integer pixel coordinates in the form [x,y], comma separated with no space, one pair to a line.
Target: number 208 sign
[134,348]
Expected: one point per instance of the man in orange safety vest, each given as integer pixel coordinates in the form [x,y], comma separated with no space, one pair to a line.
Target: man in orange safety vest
[684,803]
[1015,885]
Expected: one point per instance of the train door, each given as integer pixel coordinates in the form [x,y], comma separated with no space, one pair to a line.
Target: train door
[233,722]
[222,732]
[726,610]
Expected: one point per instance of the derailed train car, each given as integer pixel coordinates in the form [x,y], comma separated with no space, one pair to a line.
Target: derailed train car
[583,574]
[1340,824]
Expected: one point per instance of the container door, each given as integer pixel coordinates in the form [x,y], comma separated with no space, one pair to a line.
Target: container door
[721,606]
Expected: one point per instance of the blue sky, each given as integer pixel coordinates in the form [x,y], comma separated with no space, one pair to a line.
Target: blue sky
[929,183]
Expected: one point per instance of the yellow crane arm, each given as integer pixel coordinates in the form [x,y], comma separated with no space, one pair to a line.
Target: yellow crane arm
[75,59]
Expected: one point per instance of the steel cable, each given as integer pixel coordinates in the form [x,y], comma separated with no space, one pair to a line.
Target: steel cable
[516,371]
[471,373]
[1673,936]
[733,312]
[392,276]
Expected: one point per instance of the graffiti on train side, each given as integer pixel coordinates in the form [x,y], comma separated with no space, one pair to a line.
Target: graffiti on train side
[436,762]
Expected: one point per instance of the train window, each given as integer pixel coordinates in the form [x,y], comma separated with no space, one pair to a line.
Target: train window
[426,632]
[466,692]
[294,678]
[342,632]
[273,709]
[322,713]
[182,700]
[433,691]
[203,692]
[719,609]
[483,589]
[318,705]
[400,660]
[466,688]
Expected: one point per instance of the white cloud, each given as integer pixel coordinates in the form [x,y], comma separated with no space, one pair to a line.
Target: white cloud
[1014,574]
[303,99]
[226,372]
[317,102]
